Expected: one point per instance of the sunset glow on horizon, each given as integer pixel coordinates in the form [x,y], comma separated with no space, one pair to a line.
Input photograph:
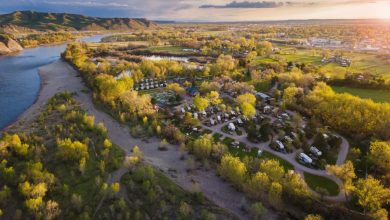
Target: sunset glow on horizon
[214,10]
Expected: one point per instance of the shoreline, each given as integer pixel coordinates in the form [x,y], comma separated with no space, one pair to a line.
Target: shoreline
[27,110]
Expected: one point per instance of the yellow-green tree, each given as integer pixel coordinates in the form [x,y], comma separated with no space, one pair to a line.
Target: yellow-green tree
[371,194]
[246,98]
[233,170]
[379,156]
[213,98]
[200,103]
[345,172]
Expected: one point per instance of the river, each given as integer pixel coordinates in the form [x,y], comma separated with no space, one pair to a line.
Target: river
[20,81]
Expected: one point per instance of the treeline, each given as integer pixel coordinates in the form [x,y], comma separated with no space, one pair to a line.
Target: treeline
[365,81]
[34,40]
[349,114]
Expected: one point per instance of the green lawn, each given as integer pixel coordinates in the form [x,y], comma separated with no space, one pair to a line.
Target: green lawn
[314,181]
[239,152]
[375,95]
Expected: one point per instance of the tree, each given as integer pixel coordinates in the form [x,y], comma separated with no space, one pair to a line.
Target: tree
[232,169]
[213,98]
[257,210]
[379,156]
[257,185]
[52,210]
[203,146]
[246,98]
[275,194]
[77,202]
[313,217]
[345,172]
[289,96]
[200,103]
[250,56]
[371,194]
[71,150]
[273,169]
[175,87]
[248,110]
[185,209]
[264,48]
[115,187]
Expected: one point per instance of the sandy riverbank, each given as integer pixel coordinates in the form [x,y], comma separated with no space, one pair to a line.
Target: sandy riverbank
[53,80]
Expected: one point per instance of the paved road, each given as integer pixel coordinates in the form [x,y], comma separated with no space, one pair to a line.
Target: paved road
[291,158]
[60,77]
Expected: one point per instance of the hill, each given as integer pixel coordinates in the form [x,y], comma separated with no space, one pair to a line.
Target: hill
[8,45]
[41,21]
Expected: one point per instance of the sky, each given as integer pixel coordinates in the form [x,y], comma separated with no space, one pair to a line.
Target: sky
[210,10]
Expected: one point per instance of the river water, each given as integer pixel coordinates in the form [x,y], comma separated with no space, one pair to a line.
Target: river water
[20,81]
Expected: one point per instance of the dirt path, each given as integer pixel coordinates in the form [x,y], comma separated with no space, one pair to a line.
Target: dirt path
[60,77]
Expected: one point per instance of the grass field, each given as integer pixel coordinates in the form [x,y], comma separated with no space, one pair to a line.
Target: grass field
[361,62]
[314,182]
[169,49]
[375,95]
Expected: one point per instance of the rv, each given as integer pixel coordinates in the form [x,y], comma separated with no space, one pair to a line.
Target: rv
[304,158]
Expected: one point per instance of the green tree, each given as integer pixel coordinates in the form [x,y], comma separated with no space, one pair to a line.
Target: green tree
[257,210]
[275,194]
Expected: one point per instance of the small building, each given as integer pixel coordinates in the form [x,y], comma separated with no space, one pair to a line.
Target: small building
[240,122]
[183,110]
[212,122]
[196,116]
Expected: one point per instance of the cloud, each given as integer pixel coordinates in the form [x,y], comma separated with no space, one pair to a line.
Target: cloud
[246,4]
